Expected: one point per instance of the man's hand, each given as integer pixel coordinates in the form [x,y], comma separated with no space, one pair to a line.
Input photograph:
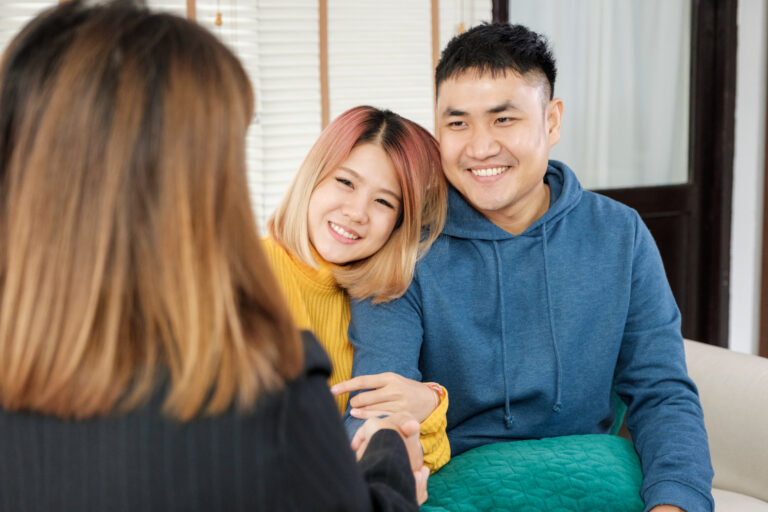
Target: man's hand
[389,393]
[408,428]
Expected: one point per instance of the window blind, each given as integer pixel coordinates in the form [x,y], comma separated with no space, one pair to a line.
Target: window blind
[379,53]
[288,95]
[277,42]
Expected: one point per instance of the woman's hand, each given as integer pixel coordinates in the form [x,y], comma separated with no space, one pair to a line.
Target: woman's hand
[408,428]
[388,393]
[421,476]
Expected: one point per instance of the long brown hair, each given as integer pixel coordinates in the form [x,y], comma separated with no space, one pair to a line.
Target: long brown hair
[129,247]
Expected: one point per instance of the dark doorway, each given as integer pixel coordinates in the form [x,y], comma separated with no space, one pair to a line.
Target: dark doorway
[692,222]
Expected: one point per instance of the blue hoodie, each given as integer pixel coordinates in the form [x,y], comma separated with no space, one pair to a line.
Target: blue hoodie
[532,333]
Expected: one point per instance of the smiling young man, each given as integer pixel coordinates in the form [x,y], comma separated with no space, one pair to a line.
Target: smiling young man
[539,299]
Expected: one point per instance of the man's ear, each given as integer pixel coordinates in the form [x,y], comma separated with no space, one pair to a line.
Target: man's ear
[554,117]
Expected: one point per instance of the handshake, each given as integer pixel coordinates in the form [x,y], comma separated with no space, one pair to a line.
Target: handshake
[406,425]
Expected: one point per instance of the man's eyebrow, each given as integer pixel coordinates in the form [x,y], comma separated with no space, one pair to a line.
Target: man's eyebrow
[450,112]
[502,107]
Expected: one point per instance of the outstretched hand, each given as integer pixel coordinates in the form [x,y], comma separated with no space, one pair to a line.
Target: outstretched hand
[408,428]
[388,393]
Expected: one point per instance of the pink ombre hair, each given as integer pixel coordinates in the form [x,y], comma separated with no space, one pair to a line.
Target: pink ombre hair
[416,158]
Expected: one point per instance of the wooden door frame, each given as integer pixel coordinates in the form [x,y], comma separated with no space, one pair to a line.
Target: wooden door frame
[706,199]
[713,108]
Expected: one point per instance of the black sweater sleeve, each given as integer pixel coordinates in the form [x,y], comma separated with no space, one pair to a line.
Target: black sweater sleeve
[319,467]
[387,473]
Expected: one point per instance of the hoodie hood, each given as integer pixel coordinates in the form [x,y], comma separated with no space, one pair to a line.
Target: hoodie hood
[464,221]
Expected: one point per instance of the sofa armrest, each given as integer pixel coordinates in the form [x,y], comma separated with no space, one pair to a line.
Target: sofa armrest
[733,389]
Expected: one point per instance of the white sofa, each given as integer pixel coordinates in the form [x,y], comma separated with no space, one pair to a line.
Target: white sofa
[733,388]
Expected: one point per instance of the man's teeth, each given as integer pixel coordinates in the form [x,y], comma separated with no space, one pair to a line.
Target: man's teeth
[342,232]
[493,171]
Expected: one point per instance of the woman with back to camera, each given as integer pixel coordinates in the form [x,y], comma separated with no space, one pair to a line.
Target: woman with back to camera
[146,362]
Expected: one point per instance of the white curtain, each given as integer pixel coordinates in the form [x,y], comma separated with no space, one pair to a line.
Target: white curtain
[624,77]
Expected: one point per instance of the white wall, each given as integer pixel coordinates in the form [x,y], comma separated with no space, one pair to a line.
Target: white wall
[748,175]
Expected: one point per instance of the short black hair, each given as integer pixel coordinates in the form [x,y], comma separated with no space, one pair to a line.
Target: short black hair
[496,48]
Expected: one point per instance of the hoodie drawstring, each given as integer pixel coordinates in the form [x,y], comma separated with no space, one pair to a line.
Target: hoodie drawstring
[558,369]
[499,279]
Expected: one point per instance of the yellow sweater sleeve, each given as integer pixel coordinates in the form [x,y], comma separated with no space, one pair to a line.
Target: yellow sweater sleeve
[434,438]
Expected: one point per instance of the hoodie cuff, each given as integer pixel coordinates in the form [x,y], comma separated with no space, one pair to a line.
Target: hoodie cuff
[669,492]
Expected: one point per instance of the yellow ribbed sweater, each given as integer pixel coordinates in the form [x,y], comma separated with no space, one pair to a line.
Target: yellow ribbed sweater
[318,304]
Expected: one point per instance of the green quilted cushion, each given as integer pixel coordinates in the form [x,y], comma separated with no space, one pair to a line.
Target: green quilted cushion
[597,472]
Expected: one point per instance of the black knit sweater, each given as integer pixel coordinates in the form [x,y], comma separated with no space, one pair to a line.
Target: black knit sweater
[291,453]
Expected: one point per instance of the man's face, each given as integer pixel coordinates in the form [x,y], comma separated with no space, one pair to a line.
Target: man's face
[495,135]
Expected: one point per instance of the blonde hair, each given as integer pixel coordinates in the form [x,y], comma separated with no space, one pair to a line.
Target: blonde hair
[129,243]
[415,156]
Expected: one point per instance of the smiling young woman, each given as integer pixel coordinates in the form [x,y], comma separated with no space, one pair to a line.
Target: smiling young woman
[366,203]
[354,209]
[413,154]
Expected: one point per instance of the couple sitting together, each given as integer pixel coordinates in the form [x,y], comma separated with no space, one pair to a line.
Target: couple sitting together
[148,356]
[530,301]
